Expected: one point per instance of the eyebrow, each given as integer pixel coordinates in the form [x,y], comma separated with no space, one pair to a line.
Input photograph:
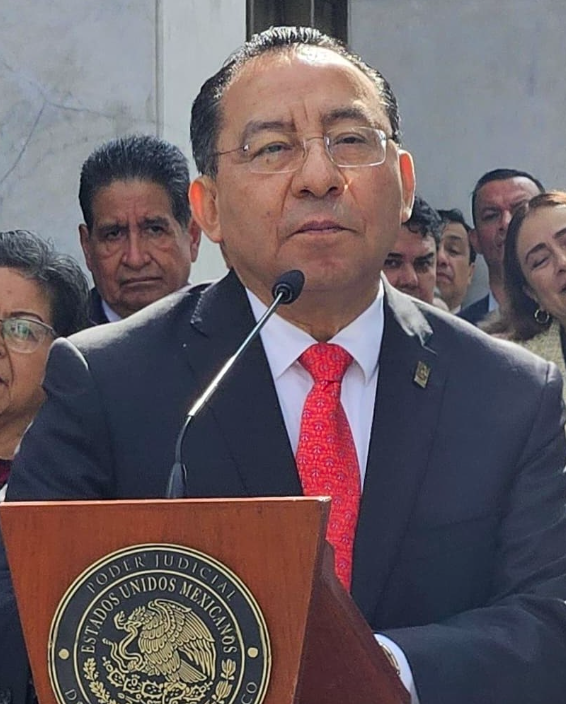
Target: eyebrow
[157,220]
[534,250]
[453,238]
[328,119]
[542,245]
[350,112]
[24,314]
[105,226]
[425,258]
[255,126]
[514,204]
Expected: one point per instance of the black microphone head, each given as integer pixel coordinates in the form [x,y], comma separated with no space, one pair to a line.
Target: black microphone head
[289,284]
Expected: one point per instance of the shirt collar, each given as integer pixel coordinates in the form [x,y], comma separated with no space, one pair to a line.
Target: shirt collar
[284,343]
[111,315]
[492,303]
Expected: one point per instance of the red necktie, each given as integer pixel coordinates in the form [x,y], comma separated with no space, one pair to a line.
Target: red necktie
[326,455]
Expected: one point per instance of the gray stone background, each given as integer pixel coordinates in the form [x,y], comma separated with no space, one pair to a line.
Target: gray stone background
[480,84]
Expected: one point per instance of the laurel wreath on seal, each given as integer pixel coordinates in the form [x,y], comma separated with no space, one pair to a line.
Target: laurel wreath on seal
[135,689]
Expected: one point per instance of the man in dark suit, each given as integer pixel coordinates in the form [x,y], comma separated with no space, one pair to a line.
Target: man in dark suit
[458,560]
[410,266]
[138,238]
[495,197]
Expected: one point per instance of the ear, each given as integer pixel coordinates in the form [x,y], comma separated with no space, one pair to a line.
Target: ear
[194,235]
[472,268]
[475,241]
[86,244]
[204,206]
[407,171]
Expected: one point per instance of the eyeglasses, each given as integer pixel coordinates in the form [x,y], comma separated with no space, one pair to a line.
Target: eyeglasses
[270,152]
[24,334]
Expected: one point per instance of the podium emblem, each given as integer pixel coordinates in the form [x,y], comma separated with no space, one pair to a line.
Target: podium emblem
[158,624]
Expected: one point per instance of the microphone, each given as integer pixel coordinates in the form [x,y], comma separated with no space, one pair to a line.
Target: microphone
[289,286]
[285,290]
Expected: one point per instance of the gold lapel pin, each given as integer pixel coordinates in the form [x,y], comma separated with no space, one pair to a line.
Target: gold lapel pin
[422,374]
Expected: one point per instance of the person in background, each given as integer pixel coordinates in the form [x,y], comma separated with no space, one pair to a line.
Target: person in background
[410,266]
[43,295]
[455,259]
[138,237]
[535,279]
[495,198]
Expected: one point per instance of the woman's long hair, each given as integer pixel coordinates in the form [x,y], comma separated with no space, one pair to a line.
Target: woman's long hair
[518,320]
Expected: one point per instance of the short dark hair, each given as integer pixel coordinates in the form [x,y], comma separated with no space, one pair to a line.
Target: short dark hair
[456,215]
[424,220]
[206,115]
[501,175]
[142,157]
[58,275]
[519,321]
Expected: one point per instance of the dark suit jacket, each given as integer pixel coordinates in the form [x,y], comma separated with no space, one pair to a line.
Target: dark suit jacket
[475,312]
[97,314]
[459,554]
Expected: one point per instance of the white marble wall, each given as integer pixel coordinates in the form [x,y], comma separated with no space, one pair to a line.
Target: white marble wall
[197,36]
[480,85]
[75,73]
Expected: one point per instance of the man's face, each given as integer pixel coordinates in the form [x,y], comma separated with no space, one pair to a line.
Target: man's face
[137,251]
[411,264]
[335,224]
[495,204]
[453,268]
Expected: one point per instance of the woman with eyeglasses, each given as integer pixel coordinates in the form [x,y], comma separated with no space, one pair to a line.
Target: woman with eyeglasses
[43,294]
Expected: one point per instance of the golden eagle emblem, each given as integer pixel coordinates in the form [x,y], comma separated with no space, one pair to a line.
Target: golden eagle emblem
[171,641]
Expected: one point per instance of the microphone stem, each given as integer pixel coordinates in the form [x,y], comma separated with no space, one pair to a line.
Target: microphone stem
[211,388]
[286,289]
[199,403]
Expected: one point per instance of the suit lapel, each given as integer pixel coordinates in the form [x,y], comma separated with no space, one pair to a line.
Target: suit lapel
[411,379]
[245,409]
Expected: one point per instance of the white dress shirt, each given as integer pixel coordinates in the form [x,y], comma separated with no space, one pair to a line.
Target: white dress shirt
[111,315]
[284,343]
[492,303]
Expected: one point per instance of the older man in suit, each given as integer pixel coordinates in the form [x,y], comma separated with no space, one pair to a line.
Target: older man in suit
[138,237]
[448,497]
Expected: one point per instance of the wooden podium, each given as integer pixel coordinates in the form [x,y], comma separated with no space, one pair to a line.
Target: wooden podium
[321,650]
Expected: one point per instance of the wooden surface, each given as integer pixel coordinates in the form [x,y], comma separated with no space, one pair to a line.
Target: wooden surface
[273,545]
[339,640]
